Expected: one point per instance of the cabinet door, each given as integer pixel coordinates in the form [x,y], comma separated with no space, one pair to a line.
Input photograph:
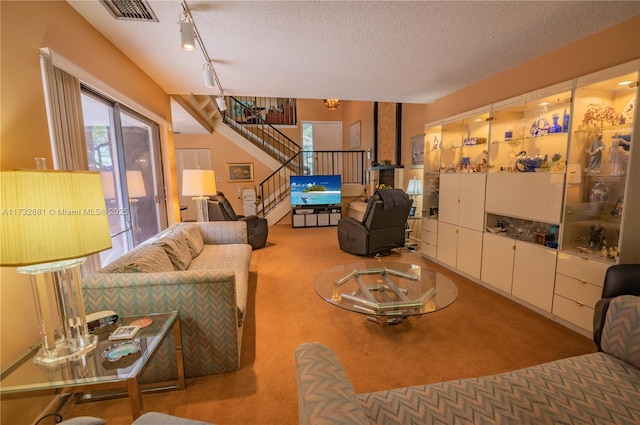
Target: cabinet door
[497,261]
[449,200]
[447,243]
[534,274]
[469,253]
[471,213]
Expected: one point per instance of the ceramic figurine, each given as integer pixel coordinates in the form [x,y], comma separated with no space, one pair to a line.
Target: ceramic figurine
[595,152]
[619,155]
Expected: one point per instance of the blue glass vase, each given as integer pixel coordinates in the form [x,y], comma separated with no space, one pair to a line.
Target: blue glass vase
[565,122]
[555,127]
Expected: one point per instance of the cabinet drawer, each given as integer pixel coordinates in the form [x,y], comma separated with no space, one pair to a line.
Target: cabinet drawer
[573,312]
[430,225]
[582,268]
[430,237]
[577,290]
[429,250]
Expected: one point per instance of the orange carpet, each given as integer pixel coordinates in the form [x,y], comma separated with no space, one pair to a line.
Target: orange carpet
[481,333]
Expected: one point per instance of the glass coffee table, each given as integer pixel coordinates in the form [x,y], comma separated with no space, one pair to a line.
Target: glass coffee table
[387,293]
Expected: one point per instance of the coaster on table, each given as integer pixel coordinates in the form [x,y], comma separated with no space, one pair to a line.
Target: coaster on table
[143,323]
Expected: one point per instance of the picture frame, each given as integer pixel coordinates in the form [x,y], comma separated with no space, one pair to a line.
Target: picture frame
[240,172]
[417,151]
[354,135]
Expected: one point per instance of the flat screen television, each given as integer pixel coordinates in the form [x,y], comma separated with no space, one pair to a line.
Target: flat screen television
[315,190]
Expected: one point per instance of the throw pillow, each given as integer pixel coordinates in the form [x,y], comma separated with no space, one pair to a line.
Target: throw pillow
[176,246]
[621,331]
[194,238]
[150,259]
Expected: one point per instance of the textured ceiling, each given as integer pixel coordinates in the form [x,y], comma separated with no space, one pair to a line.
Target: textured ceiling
[396,51]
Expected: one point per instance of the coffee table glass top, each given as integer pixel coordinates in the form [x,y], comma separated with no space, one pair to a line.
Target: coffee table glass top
[385,289]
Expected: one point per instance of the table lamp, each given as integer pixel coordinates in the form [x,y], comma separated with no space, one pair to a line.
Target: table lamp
[50,221]
[198,183]
[414,188]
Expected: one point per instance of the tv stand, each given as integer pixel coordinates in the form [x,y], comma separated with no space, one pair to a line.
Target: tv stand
[316,215]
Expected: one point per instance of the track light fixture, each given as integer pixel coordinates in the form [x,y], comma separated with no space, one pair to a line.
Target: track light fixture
[222,104]
[186,34]
[207,73]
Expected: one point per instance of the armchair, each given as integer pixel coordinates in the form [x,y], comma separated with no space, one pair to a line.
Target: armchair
[221,210]
[620,279]
[382,227]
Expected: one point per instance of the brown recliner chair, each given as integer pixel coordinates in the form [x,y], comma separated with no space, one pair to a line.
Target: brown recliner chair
[382,227]
[257,227]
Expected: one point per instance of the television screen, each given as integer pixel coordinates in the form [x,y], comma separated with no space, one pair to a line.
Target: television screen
[315,190]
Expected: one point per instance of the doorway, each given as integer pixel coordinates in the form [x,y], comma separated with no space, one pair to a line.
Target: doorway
[319,138]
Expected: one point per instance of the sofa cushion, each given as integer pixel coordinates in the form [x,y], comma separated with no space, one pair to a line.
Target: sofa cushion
[148,259]
[621,331]
[177,248]
[194,238]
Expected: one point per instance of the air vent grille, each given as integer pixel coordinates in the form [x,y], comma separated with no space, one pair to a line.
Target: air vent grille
[132,10]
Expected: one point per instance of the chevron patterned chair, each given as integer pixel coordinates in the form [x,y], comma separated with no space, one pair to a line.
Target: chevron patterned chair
[151,418]
[596,388]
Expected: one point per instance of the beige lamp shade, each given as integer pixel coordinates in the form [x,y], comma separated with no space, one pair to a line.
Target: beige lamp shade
[135,184]
[414,187]
[49,215]
[198,182]
[108,185]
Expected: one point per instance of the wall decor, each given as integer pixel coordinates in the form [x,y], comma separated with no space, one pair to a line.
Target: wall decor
[354,135]
[417,151]
[240,172]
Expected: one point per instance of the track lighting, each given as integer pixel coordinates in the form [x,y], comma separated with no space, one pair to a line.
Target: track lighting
[222,104]
[186,36]
[207,73]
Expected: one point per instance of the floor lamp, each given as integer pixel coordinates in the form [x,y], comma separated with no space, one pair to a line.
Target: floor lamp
[52,220]
[199,183]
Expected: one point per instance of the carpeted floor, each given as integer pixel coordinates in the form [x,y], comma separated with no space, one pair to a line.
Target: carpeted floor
[481,333]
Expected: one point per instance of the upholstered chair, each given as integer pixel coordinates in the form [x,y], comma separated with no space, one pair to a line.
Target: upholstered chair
[620,279]
[382,227]
[257,227]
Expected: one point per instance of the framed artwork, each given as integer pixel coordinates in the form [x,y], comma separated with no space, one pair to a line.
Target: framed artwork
[354,135]
[417,151]
[240,172]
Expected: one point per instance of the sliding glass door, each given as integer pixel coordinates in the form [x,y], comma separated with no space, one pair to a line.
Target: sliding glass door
[125,148]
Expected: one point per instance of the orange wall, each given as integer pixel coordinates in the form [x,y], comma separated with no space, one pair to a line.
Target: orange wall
[25,27]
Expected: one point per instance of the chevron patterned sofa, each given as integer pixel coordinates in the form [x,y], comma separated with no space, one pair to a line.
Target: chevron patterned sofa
[201,269]
[598,388]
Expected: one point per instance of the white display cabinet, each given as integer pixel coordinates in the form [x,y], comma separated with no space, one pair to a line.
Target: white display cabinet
[529,134]
[461,221]
[602,196]
[599,159]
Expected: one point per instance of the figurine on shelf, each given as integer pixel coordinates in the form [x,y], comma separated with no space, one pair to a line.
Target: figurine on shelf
[595,152]
[619,154]
[596,234]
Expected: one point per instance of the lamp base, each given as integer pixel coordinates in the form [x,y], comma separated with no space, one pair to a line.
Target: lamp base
[60,311]
[64,353]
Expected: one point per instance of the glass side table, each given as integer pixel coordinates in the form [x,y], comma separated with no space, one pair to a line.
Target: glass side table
[93,373]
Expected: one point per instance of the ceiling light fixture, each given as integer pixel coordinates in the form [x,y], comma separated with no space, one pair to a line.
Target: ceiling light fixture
[186,34]
[222,103]
[332,103]
[209,73]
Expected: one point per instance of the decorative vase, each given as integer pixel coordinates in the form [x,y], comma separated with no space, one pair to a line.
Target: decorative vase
[555,127]
[565,122]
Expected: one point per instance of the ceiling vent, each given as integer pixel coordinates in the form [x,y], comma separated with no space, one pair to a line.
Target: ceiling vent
[132,10]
